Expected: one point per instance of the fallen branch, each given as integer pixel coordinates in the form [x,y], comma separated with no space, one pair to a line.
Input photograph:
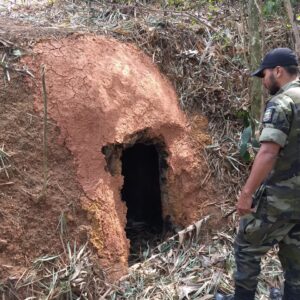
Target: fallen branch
[6,44]
[6,67]
[7,183]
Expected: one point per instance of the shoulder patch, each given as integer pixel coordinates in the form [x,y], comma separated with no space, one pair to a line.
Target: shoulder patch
[268,115]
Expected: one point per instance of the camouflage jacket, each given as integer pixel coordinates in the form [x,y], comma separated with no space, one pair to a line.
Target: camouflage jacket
[281,124]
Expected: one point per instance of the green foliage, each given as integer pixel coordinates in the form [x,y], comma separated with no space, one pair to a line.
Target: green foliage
[244,116]
[222,38]
[271,7]
[248,143]
[244,143]
[212,5]
[176,2]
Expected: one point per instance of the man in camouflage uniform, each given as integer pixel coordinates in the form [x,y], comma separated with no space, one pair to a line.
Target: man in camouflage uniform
[269,203]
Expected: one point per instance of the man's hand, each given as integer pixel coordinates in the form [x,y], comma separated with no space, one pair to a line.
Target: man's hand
[244,204]
[262,166]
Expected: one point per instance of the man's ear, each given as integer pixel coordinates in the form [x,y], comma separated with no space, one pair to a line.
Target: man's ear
[279,72]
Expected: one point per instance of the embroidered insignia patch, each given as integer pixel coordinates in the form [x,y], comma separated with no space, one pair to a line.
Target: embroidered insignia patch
[268,115]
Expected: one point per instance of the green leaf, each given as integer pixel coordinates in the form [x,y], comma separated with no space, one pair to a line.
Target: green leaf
[255,143]
[271,6]
[247,156]
[246,135]
[243,115]
[243,149]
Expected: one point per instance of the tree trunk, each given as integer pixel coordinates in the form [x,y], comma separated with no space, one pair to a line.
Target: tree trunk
[289,9]
[255,51]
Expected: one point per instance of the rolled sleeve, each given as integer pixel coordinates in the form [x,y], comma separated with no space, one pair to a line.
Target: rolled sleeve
[277,120]
[273,135]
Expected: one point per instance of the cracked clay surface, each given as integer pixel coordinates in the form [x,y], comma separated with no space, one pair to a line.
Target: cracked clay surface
[100,92]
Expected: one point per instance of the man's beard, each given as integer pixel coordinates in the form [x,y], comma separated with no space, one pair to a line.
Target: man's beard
[274,87]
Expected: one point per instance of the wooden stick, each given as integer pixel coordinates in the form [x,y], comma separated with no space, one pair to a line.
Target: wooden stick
[6,67]
[45,148]
[6,183]
[229,214]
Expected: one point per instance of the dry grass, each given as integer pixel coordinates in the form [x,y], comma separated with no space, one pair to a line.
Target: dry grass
[183,267]
[4,164]
[70,275]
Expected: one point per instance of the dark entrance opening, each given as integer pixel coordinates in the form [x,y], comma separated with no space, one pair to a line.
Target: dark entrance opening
[142,194]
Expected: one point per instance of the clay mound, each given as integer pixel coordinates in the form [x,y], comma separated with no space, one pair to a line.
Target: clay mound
[105,96]
[31,227]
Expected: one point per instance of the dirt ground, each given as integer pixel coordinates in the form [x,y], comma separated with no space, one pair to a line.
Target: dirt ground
[31,227]
[100,92]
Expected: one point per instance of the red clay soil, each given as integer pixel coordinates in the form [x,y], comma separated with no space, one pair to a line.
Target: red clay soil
[30,226]
[103,92]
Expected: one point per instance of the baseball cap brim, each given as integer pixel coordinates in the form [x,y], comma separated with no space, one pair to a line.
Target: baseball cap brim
[277,57]
[258,72]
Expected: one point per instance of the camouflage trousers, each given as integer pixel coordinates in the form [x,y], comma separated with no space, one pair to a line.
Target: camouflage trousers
[255,237]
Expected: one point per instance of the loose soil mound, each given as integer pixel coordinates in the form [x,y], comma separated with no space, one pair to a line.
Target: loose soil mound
[104,96]
[31,227]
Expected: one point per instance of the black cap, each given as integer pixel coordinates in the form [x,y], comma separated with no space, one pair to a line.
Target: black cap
[277,57]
